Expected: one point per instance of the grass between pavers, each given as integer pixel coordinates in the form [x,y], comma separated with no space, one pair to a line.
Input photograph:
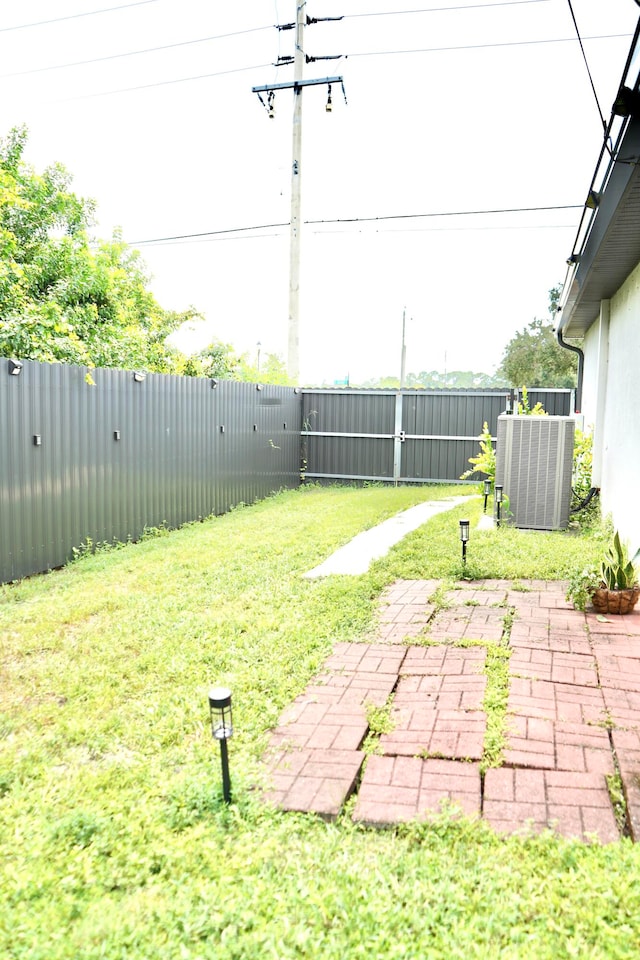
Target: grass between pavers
[114,841]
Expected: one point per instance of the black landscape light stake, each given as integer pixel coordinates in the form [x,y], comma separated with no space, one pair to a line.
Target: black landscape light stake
[487,491]
[464,539]
[222,730]
[498,502]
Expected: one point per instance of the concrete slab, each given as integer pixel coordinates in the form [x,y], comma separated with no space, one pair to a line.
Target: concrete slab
[356,556]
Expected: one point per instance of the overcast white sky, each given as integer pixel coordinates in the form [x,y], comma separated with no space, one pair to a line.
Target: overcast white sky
[500,122]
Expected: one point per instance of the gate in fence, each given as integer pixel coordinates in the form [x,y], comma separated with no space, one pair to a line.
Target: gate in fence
[418,436]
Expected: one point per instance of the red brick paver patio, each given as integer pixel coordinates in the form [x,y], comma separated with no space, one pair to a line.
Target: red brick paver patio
[573,715]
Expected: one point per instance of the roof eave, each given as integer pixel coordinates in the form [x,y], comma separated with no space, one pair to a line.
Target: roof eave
[612,248]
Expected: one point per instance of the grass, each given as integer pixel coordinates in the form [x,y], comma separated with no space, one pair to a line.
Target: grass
[114,841]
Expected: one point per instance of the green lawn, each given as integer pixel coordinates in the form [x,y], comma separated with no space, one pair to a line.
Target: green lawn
[114,841]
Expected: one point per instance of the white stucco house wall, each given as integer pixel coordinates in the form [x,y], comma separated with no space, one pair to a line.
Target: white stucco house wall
[600,307]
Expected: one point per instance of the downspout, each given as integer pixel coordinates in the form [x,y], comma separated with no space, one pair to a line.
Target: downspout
[569,346]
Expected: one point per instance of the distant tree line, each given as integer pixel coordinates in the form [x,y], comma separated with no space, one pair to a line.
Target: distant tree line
[532,358]
[436,380]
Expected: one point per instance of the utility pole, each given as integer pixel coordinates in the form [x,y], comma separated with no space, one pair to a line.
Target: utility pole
[293,354]
[298,60]
[403,352]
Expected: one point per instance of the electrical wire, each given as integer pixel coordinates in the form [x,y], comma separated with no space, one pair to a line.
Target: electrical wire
[373,53]
[484,46]
[133,53]
[586,63]
[400,216]
[224,36]
[332,233]
[449,213]
[161,83]
[470,6]
[75,16]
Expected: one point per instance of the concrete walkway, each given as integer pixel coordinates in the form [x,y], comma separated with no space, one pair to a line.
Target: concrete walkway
[356,556]
[572,715]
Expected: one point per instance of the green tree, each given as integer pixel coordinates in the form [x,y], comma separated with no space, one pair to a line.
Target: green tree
[215,360]
[64,298]
[534,357]
[272,370]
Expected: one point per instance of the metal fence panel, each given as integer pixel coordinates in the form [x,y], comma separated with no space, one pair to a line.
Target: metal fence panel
[102,461]
[349,411]
[403,436]
[350,458]
[557,403]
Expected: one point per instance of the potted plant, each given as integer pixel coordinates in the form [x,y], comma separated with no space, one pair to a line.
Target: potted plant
[612,587]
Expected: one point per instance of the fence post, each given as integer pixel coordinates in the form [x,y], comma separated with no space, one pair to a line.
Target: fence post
[398,439]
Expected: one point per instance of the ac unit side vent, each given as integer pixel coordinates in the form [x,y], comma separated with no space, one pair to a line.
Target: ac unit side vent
[534,462]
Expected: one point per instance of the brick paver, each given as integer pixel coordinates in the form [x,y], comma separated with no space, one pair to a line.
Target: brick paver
[623,707]
[405,609]
[576,804]
[619,673]
[573,714]
[441,691]
[357,688]
[454,734]
[443,660]
[538,636]
[573,668]
[365,657]
[312,781]
[556,701]
[557,745]
[468,623]
[397,789]
[473,597]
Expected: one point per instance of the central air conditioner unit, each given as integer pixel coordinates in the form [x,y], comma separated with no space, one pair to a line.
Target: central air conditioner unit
[534,461]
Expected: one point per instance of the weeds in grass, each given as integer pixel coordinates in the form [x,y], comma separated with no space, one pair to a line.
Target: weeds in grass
[379,720]
[618,801]
[495,705]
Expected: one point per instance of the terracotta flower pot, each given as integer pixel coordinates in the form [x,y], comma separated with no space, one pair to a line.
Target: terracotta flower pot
[615,601]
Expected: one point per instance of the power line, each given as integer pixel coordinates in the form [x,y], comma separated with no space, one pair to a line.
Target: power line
[372,53]
[332,233]
[237,33]
[133,53]
[484,46]
[470,6]
[449,213]
[586,63]
[162,83]
[380,219]
[75,16]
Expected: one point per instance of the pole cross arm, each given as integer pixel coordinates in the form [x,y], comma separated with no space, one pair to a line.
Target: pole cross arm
[295,84]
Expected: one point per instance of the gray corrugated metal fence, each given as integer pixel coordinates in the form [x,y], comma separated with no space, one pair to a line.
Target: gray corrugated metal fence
[104,461]
[409,436]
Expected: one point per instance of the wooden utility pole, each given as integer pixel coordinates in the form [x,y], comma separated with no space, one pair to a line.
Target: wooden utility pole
[297,85]
[403,352]
[293,354]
